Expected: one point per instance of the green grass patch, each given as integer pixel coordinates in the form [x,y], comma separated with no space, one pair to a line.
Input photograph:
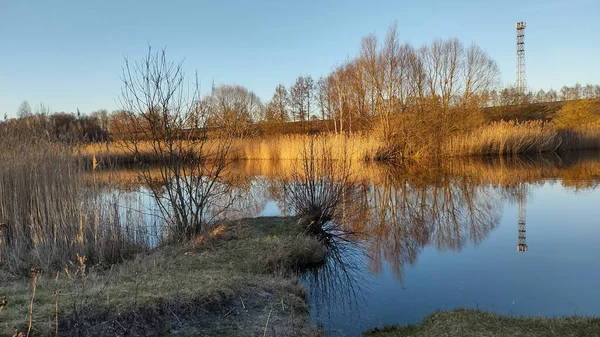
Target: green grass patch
[227,282]
[465,323]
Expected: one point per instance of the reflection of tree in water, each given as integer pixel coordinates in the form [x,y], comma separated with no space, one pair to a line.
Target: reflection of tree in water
[249,197]
[407,215]
[337,285]
[322,194]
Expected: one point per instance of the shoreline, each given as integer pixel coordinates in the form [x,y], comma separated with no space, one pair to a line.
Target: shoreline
[497,139]
[467,323]
[237,280]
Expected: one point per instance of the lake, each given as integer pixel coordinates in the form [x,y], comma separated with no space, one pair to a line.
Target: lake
[515,236]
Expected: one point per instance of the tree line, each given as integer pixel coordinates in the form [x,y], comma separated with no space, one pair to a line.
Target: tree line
[443,84]
[512,96]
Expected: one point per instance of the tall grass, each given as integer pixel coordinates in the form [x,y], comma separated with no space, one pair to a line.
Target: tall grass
[49,214]
[503,138]
[584,137]
[357,147]
[497,138]
[510,138]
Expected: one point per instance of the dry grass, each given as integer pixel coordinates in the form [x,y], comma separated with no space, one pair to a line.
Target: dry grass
[465,323]
[581,138]
[510,138]
[288,147]
[574,114]
[48,214]
[498,138]
[356,147]
[504,138]
[225,282]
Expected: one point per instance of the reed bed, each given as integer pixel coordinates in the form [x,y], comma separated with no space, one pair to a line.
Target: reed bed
[49,215]
[504,138]
[510,138]
[356,147]
[498,138]
[584,137]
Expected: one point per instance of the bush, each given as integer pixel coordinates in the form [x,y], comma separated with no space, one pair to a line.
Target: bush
[423,131]
[575,114]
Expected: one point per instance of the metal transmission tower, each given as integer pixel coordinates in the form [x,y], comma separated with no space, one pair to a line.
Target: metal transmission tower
[522,204]
[521,78]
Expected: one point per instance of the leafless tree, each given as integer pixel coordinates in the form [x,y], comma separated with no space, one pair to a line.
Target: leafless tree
[588,91]
[102,117]
[480,75]
[157,101]
[324,98]
[234,108]
[301,98]
[24,110]
[551,96]
[277,109]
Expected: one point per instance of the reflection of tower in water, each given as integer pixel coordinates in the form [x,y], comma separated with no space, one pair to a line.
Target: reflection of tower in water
[522,204]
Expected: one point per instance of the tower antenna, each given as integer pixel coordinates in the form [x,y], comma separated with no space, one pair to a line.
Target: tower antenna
[521,77]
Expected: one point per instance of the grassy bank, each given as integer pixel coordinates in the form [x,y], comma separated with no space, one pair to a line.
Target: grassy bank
[237,280]
[464,323]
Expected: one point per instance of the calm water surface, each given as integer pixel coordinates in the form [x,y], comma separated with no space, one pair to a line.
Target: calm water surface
[557,275]
[515,237]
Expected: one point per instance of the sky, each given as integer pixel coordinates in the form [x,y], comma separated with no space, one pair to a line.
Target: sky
[69,54]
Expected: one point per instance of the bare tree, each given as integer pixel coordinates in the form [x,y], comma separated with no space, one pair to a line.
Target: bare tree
[234,108]
[480,74]
[157,101]
[102,117]
[338,97]
[309,92]
[551,96]
[301,98]
[567,93]
[391,59]
[24,110]
[540,96]
[277,109]
[323,96]
[371,65]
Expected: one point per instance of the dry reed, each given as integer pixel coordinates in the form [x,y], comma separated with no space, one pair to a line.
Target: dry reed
[504,138]
[50,214]
[356,147]
[498,138]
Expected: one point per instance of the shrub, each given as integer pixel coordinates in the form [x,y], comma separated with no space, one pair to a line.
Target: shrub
[575,114]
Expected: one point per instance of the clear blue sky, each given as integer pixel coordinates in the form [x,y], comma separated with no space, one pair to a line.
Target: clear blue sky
[68,54]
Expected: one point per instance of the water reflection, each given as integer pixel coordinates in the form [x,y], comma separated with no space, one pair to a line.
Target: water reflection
[401,209]
[337,284]
[406,217]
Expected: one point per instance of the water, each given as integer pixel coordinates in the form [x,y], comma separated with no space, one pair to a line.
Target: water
[516,236]
[557,275]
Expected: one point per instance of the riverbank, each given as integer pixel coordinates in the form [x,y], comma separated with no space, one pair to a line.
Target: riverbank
[238,280]
[465,323]
[495,139]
